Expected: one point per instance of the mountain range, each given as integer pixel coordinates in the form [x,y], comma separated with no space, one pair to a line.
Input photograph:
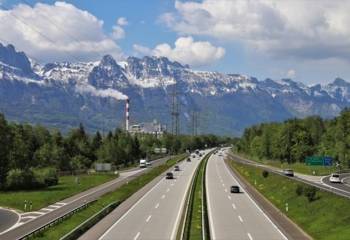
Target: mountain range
[63,94]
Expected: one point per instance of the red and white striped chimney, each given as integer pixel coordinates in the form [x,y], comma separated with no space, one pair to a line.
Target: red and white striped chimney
[127,110]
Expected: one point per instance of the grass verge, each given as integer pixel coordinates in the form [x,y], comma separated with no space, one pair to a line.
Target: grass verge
[120,194]
[194,218]
[297,167]
[324,218]
[41,198]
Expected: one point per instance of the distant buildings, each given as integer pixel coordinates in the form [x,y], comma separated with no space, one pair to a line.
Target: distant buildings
[154,128]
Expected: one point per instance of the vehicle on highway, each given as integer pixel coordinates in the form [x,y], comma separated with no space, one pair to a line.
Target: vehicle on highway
[197,151]
[177,168]
[288,172]
[143,163]
[220,155]
[235,189]
[193,156]
[148,164]
[200,154]
[335,178]
[188,159]
[169,175]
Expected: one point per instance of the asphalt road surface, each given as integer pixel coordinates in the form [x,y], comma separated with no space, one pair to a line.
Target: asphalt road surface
[74,202]
[234,215]
[158,213]
[343,186]
[8,218]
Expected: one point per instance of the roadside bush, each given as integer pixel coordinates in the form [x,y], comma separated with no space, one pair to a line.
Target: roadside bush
[46,176]
[299,190]
[310,193]
[265,174]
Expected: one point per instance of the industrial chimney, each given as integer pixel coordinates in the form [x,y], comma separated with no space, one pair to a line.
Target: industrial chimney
[127,114]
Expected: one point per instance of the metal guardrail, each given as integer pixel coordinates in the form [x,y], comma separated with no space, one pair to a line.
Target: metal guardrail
[88,223]
[55,221]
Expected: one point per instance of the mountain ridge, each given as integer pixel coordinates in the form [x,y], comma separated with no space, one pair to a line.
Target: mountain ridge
[62,94]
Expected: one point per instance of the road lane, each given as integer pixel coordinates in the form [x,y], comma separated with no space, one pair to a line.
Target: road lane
[234,216]
[157,214]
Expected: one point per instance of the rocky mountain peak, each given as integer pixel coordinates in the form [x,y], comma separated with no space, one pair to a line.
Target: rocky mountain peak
[9,56]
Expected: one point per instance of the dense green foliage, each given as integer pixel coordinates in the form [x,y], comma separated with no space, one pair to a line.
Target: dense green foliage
[293,140]
[25,148]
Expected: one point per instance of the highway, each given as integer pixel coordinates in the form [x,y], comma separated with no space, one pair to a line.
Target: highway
[48,214]
[157,214]
[8,218]
[234,215]
[321,182]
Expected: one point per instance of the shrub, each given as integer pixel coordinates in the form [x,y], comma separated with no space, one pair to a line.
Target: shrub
[310,192]
[299,190]
[46,176]
[23,179]
[265,174]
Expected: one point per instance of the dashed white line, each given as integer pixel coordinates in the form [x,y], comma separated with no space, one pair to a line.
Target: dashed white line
[137,236]
[223,185]
[163,196]
[157,205]
[234,206]
[229,197]
[250,236]
[168,190]
[149,217]
[240,218]
[225,190]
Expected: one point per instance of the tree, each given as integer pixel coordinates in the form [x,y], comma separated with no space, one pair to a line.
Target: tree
[5,146]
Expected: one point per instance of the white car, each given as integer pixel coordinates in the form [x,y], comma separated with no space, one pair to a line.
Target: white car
[335,178]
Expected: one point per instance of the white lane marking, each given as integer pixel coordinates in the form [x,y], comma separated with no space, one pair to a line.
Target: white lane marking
[256,205]
[250,236]
[339,189]
[229,197]
[168,190]
[223,185]
[211,226]
[234,206]
[172,184]
[163,196]
[240,218]
[130,209]
[149,217]
[157,205]
[225,190]
[137,236]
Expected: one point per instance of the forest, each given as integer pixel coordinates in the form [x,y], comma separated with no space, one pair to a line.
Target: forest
[33,156]
[295,139]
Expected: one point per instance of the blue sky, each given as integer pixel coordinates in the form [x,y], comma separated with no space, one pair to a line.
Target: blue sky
[267,38]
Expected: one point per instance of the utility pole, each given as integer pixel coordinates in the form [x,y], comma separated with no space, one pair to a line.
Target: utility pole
[194,125]
[175,111]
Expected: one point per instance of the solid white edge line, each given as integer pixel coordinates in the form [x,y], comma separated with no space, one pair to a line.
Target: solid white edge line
[130,209]
[211,226]
[173,234]
[14,225]
[256,205]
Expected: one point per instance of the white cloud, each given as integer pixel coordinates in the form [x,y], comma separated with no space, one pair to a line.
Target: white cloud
[122,21]
[303,28]
[291,73]
[186,51]
[56,32]
[118,32]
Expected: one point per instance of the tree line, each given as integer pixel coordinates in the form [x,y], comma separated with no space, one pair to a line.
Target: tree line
[31,156]
[295,139]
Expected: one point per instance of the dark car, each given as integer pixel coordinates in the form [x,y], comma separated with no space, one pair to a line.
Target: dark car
[188,159]
[177,168]
[288,172]
[169,175]
[235,189]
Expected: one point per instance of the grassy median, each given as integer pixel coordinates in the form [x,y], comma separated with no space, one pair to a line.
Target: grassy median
[324,216]
[122,193]
[41,198]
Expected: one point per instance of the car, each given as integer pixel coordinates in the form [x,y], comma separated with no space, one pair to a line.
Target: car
[177,168]
[220,155]
[148,164]
[288,172]
[188,159]
[335,178]
[200,154]
[235,189]
[193,156]
[169,175]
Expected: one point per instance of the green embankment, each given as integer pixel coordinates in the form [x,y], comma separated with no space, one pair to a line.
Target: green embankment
[326,218]
[41,198]
[122,193]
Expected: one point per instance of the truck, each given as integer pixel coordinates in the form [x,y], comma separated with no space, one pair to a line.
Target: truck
[143,163]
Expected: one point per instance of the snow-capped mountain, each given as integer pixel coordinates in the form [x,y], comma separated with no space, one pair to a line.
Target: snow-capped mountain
[64,94]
